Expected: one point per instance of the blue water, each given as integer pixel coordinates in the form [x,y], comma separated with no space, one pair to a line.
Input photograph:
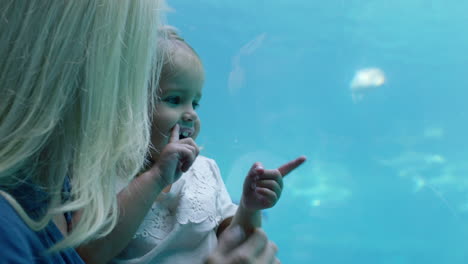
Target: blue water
[386,181]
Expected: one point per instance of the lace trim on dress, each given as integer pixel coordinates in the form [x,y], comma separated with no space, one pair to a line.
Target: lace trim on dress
[192,199]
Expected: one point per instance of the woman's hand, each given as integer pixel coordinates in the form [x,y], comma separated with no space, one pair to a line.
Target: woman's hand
[234,249]
[262,188]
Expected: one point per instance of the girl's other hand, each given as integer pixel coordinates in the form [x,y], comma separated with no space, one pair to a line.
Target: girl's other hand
[262,188]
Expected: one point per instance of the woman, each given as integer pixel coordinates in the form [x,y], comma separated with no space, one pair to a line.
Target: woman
[73,95]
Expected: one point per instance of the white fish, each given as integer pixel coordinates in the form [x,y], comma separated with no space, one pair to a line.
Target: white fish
[365,80]
[236,79]
[253,45]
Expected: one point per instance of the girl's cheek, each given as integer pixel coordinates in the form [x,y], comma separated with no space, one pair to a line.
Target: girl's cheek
[197,129]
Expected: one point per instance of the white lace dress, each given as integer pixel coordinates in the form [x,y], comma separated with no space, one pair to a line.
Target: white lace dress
[181,225]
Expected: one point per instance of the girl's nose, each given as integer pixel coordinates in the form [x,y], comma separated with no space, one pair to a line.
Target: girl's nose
[190,115]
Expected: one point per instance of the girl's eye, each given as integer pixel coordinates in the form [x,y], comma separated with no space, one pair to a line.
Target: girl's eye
[195,105]
[172,100]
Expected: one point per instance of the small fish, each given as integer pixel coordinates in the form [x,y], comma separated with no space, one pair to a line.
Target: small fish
[236,79]
[364,80]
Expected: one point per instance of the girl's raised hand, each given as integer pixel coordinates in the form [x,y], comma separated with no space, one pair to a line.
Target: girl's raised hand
[175,158]
[262,188]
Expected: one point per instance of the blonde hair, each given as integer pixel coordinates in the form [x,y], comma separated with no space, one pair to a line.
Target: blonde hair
[74,102]
[171,45]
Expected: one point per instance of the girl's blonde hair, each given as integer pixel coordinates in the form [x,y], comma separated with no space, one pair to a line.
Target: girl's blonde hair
[74,102]
[171,45]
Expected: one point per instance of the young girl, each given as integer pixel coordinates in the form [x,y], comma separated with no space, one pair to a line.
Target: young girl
[183,223]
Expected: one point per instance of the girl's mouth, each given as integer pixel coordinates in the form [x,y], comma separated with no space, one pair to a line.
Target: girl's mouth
[185,132]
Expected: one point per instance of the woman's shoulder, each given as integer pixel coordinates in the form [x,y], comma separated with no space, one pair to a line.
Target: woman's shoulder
[17,240]
[20,244]
[10,222]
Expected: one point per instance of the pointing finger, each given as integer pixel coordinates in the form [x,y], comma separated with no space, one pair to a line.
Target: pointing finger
[290,166]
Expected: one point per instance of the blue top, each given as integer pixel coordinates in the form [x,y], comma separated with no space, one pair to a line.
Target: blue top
[18,243]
